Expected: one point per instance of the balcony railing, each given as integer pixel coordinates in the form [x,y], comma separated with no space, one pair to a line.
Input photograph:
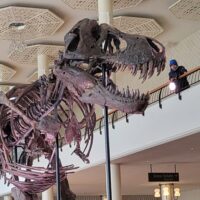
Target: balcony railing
[156,95]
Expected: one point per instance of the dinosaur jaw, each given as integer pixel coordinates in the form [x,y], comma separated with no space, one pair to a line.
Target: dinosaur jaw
[126,101]
[90,89]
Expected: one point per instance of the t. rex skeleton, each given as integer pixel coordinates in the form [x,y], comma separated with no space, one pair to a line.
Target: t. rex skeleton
[32,116]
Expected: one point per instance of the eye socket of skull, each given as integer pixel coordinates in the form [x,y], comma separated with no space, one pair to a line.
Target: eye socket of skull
[75,41]
[153,45]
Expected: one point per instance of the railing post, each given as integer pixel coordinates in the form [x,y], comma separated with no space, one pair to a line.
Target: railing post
[113,119]
[179,96]
[159,98]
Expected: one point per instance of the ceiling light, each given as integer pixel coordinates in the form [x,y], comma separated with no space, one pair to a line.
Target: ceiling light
[157,193]
[167,191]
[35,22]
[17,26]
[177,192]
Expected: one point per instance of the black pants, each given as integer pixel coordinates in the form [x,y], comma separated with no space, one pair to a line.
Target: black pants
[181,84]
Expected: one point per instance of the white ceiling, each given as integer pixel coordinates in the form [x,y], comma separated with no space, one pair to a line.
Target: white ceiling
[174,29]
[185,152]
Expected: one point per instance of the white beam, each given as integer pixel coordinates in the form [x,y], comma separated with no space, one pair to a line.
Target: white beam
[43,65]
[105,10]
[116,181]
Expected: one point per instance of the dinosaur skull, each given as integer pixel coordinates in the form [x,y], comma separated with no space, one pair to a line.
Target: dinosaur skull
[90,47]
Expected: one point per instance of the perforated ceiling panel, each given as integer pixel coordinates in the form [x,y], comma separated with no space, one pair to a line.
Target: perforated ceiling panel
[186,9]
[33,77]
[29,54]
[38,22]
[135,25]
[92,4]
[6,73]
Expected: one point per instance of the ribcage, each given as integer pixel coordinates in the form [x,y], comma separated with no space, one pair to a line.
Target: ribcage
[37,101]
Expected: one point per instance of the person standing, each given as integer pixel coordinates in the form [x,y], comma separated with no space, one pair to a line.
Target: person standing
[175,72]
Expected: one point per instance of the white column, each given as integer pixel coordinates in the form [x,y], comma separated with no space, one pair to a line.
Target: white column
[167,191]
[48,194]
[43,68]
[8,197]
[116,182]
[105,8]
[43,65]
[105,11]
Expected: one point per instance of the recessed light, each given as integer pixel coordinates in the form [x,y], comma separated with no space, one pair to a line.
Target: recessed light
[17,26]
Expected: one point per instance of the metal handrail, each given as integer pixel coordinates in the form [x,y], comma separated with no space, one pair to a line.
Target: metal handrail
[156,95]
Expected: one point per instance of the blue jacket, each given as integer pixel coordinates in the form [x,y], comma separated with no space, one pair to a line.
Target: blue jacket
[182,83]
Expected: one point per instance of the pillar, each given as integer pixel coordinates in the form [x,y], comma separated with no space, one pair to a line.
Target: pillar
[7,197]
[105,11]
[43,65]
[105,8]
[167,191]
[116,181]
[48,194]
[43,68]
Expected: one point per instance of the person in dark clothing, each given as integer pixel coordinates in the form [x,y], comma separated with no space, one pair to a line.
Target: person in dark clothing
[174,74]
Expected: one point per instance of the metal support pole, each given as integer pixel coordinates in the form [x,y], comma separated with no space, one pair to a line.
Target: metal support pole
[58,170]
[107,143]
[15,153]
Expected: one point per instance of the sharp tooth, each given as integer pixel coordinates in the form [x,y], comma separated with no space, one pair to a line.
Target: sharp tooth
[114,67]
[124,67]
[158,68]
[142,96]
[137,94]
[128,94]
[150,71]
[163,64]
[115,89]
[147,96]
[134,70]
[133,93]
[124,93]
[119,66]
[144,71]
[109,88]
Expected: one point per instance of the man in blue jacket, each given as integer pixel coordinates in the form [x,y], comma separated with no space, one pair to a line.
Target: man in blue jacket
[174,74]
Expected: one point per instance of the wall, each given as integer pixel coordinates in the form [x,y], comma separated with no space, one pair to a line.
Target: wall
[148,131]
[190,195]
